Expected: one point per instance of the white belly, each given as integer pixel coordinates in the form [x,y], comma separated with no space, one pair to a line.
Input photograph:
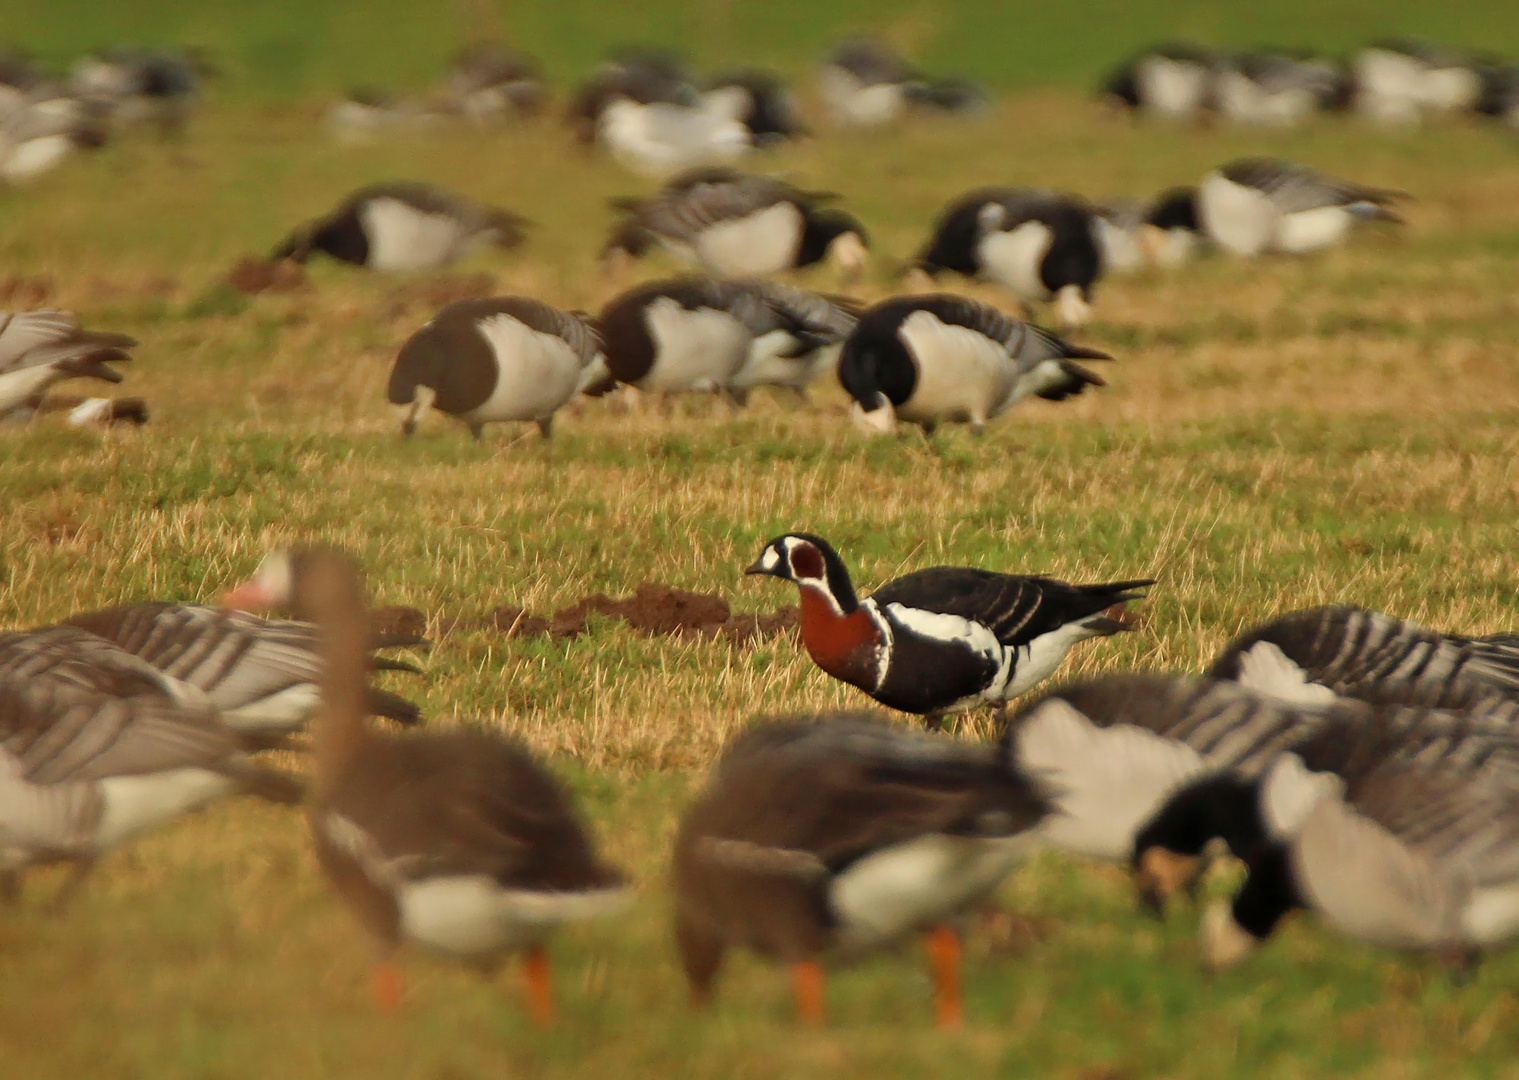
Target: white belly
[473,915]
[852,103]
[962,375]
[662,138]
[764,367]
[762,243]
[17,386]
[1312,230]
[1491,915]
[913,885]
[1012,259]
[402,238]
[1038,659]
[1239,219]
[697,350]
[1171,88]
[135,804]
[1246,102]
[536,373]
[1120,248]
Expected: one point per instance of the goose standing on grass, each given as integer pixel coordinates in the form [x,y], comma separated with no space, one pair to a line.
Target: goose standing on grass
[1171,82]
[733,224]
[836,836]
[496,360]
[1399,83]
[866,83]
[941,358]
[97,747]
[707,335]
[943,640]
[489,81]
[1039,245]
[1319,653]
[642,75]
[459,841]
[40,348]
[658,138]
[262,674]
[1256,206]
[403,226]
[759,101]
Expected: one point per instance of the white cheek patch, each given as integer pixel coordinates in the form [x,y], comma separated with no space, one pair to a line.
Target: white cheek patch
[770,559]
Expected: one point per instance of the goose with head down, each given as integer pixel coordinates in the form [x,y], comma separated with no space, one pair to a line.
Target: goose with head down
[1257,206]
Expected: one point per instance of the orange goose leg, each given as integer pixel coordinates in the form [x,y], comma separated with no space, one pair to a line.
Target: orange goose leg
[388,984]
[540,991]
[944,956]
[807,978]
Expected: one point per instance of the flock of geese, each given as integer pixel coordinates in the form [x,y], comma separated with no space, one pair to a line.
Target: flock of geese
[1360,766]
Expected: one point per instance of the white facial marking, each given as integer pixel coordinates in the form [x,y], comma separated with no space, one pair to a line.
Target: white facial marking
[770,559]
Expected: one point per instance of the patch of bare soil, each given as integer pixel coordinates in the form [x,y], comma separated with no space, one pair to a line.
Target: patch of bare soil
[22,291]
[653,609]
[253,275]
[436,292]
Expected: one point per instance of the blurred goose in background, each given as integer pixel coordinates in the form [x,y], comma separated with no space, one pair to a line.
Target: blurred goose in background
[40,348]
[659,138]
[760,101]
[866,83]
[1255,206]
[458,841]
[262,675]
[940,358]
[732,223]
[1399,83]
[641,75]
[368,113]
[496,360]
[491,80]
[1319,653]
[403,226]
[1276,89]
[1040,245]
[1172,82]
[39,133]
[699,335]
[97,747]
[835,836]
[143,85]
[1500,95]
[1132,234]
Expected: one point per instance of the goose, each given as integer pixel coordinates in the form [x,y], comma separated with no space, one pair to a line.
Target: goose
[641,75]
[731,223]
[491,360]
[865,83]
[104,748]
[1039,245]
[659,138]
[461,841]
[1500,95]
[941,358]
[1276,89]
[758,100]
[40,348]
[141,85]
[1116,226]
[706,334]
[832,836]
[1259,205]
[1171,233]
[261,674]
[490,80]
[1319,653]
[1170,82]
[38,135]
[401,226]
[942,640]
[367,113]
[1398,83]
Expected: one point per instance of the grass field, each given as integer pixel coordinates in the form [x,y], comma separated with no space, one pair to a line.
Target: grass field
[1274,435]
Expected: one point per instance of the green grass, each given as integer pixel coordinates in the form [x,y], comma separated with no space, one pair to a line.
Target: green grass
[1273,435]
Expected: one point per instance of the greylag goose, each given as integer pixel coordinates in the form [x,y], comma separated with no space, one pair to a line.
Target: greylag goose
[458,841]
[837,836]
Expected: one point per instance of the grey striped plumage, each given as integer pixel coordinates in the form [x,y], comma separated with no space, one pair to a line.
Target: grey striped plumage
[1366,654]
[32,338]
[701,198]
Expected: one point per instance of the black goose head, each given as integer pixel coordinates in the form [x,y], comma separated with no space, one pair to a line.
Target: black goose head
[1169,850]
[1230,932]
[1175,209]
[810,562]
[837,235]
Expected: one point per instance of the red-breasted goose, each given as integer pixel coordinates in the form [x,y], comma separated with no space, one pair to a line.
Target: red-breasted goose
[1315,654]
[706,334]
[838,835]
[941,640]
[501,359]
[403,225]
[1256,206]
[40,348]
[458,841]
[262,674]
[1040,245]
[940,358]
[732,223]
[109,746]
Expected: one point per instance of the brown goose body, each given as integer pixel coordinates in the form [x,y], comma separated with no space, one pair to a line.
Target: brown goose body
[460,842]
[99,747]
[839,836]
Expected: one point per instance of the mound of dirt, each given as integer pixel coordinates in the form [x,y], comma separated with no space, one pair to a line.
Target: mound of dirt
[653,609]
[253,275]
[511,621]
[398,625]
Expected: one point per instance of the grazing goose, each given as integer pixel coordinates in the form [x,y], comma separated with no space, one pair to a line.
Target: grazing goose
[40,348]
[261,674]
[705,334]
[491,80]
[457,841]
[1274,89]
[1040,245]
[865,83]
[403,226]
[39,134]
[1259,205]
[143,86]
[731,223]
[495,360]
[759,101]
[107,747]
[942,358]
[366,113]
[941,640]
[1172,82]
[658,138]
[840,835]
[1318,653]
[1399,83]
[1171,234]
[642,75]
